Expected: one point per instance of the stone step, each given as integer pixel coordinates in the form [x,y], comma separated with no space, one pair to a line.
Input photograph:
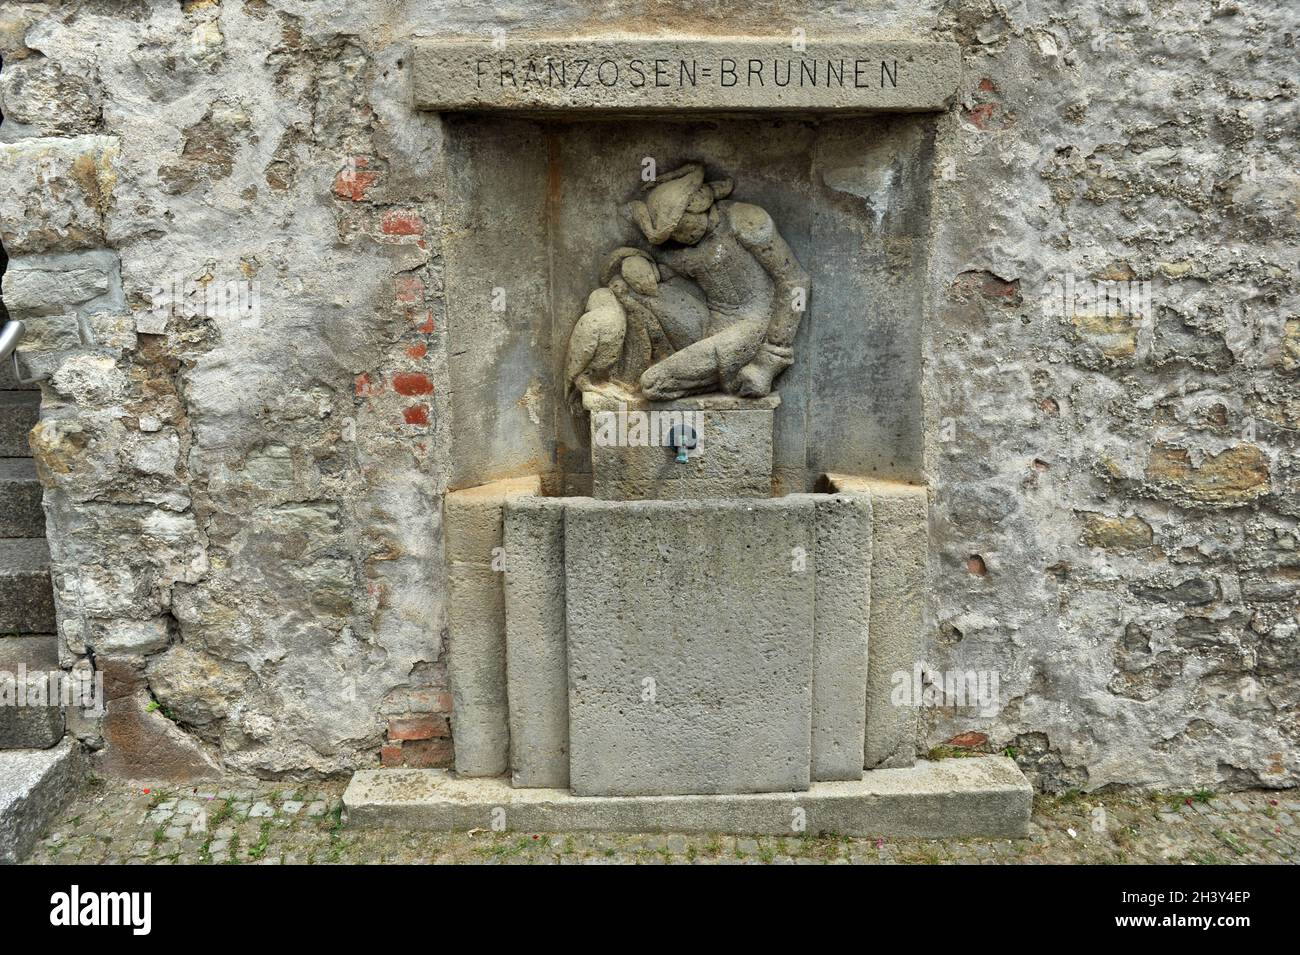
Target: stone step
[30,721]
[8,382]
[953,798]
[18,413]
[21,514]
[35,785]
[26,596]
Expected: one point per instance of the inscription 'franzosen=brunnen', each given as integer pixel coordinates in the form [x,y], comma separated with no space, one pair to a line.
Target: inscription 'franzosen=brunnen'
[663,73]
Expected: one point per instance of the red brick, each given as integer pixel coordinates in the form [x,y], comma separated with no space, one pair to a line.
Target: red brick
[970,740]
[412,383]
[353,181]
[417,727]
[428,753]
[390,754]
[397,222]
[980,116]
[366,387]
[409,288]
[990,286]
[416,414]
[417,351]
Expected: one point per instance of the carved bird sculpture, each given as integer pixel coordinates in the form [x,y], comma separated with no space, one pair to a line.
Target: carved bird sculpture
[596,343]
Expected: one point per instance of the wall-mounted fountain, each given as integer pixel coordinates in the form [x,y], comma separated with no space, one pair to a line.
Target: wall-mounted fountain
[687,548]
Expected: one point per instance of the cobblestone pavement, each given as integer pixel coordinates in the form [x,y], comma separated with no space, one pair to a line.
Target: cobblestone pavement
[288,823]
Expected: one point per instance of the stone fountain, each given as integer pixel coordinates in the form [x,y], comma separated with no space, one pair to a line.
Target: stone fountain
[682,649]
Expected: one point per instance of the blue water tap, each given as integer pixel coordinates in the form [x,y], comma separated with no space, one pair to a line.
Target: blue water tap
[683,439]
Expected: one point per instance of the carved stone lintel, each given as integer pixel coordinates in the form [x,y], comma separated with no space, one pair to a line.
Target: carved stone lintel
[654,73]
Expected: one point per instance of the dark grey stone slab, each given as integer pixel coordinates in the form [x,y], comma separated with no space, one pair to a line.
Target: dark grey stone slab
[26,596]
[21,514]
[30,714]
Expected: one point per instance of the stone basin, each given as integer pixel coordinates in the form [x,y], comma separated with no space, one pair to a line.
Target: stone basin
[682,647]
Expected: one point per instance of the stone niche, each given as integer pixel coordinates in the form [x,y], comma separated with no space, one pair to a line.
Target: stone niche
[535,209]
[695,637]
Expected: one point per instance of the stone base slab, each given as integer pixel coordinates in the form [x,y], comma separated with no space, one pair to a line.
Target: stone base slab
[35,785]
[954,798]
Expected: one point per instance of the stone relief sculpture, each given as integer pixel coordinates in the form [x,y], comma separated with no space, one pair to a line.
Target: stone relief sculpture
[714,307]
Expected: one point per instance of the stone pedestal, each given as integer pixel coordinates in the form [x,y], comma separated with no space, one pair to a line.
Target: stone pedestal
[690,637]
[632,458]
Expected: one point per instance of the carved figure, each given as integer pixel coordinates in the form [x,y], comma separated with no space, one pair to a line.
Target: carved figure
[714,307]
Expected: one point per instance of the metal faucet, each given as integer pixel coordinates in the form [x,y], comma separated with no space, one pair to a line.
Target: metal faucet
[683,439]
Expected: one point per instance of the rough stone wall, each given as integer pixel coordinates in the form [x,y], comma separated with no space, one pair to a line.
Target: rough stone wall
[244,504]
[1115,496]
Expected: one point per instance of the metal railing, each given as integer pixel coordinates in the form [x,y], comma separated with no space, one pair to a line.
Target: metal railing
[11,333]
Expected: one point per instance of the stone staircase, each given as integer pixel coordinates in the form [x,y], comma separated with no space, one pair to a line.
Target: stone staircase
[26,598]
[39,767]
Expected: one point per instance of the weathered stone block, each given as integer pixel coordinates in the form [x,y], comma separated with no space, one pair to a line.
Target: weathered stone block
[1235,476]
[26,597]
[43,97]
[473,526]
[129,636]
[139,738]
[29,717]
[476,671]
[684,73]
[34,787]
[198,689]
[60,283]
[630,459]
[840,640]
[21,514]
[953,798]
[536,655]
[55,193]
[1115,533]
[48,341]
[473,518]
[898,567]
[690,639]
[19,412]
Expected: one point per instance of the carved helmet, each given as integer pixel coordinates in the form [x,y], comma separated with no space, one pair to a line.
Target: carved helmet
[671,196]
